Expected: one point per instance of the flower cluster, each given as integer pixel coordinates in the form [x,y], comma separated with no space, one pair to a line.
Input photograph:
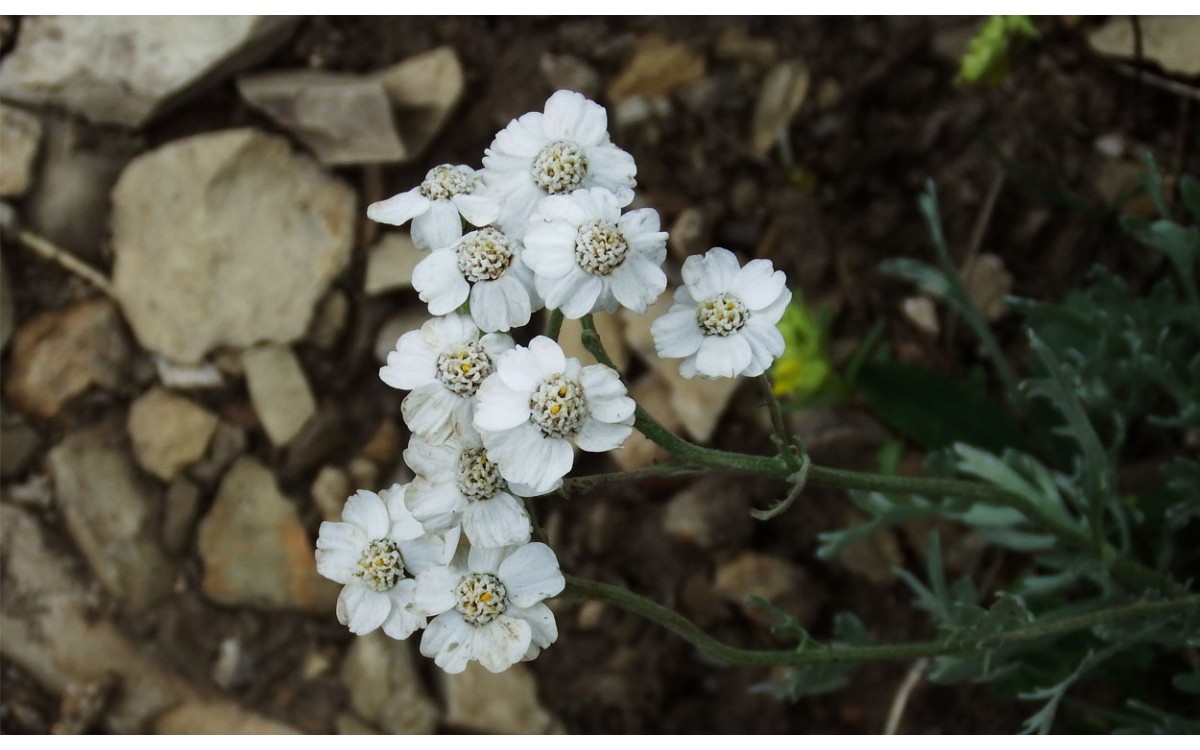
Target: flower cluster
[545,223]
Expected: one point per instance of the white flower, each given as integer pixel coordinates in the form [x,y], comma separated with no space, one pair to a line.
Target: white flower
[443,363]
[723,319]
[456,483]
[489,608]
[586,256]
[486,266]
[435,206]
[557,152]
[375,551]
[538,400]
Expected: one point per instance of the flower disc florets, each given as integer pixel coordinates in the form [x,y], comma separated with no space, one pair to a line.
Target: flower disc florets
[484,255]
[478,477]
[721,315]
[600,247]
[558,406]
[463,368]
[445,181]
[481,598]
[381,565]
[559,167]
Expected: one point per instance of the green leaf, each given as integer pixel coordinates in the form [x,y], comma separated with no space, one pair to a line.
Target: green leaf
[1189,191]
[927,278]
[933,409]
[989,53]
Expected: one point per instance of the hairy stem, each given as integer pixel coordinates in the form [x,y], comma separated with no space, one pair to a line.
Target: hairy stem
[581,588]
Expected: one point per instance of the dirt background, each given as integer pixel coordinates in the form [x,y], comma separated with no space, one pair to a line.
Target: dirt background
[881,115]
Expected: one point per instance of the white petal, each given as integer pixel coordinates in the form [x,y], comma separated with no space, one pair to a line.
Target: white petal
[766,343]
[676,334]
[548,354]
[687,368]
[498,522]
[496,344]
[523,137]
[501,305]
[433,550]
[583,300]
[520,370]
[531,574]
[438,227]
[642,225]
[601,437]
[479,209]
[637,283]
[433,412]
[486,559]
[541,621]
[758,284]
[363,610]
[499,407]
[519,202]
[367,511]
[557,292]
[402,622]
[571,116]
[770,315]
[404,525]
[440,283]
[338,565]
[501,643]
[607,398]
[411,364]
[525,456]
[612,169]
[431,461]
[341,536]
[434,592]
[399,208]
[550,248]
[723,356]
[449,640]
[448,332]
[711,273]
[559,207]
[437,505]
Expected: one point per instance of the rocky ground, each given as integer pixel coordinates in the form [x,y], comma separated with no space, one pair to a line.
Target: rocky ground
[195,310]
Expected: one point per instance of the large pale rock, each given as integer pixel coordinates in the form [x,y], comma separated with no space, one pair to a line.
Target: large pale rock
[226,238]
[20,135]
[279,391]
[780,582]
[61,353]
[424,89]
[110,513]
[169,432]
[385,687]
[656,68]
[780,98]
[503,703]
[255,550]
[127,69]
[710,513]
[53,630]
[1171,41]
[343,118]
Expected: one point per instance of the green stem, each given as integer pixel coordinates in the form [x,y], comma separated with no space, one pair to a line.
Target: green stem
[580,588]
[1062,527]
[783,438]
[580,485]
[554,324]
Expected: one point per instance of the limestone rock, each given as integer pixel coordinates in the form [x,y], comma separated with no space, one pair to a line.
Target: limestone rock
[53,629]
[182,505]
[780,98]
[988,283]
[329,321]
[1170,41]
[390,263]
[780,582]
[69,203]
[329,492]
[503,703]
[343,118]
[169,432]
[571,73]
[922,313]
[709,513]
[59,354]
[385,687]
[279,391]
[608,325]
[127,69]
[654,395]
[424,89]
[255,550]
[20,136]
[110,513]
[656,68]
[226,238]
